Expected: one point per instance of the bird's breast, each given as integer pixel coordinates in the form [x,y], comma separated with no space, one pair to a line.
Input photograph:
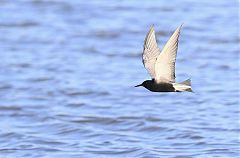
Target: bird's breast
[162,87]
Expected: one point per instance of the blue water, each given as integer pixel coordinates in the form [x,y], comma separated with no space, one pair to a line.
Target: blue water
[68,70]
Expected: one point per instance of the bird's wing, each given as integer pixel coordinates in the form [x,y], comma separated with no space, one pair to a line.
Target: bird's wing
[165,64]
[150,52]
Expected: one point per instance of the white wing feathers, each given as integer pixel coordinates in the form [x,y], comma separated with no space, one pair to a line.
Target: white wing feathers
[161,66]
[165,64]
[150,52]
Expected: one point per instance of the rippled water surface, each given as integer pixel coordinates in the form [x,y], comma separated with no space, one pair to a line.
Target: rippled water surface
[68,70]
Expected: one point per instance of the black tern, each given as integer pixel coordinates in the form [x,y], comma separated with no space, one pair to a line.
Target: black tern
[161,64]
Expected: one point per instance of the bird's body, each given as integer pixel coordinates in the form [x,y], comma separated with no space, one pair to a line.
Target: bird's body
[158,87]
[161,66]
[153,86]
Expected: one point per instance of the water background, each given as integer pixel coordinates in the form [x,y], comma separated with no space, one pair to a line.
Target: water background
[68,70]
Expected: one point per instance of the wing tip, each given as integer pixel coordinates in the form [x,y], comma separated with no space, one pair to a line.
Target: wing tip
[151,31]
[152,26]
[181,26]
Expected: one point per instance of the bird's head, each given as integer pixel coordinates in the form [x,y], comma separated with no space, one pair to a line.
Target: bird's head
[144,84]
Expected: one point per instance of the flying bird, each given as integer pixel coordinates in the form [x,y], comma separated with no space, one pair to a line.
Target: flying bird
[161,64]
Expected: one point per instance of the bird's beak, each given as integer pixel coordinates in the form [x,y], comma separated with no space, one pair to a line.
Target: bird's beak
[138,85]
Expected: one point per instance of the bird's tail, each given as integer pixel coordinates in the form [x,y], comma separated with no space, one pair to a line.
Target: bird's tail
[183,86]
[186,82]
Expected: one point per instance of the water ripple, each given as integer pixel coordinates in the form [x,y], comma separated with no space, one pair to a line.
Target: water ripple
[68,70]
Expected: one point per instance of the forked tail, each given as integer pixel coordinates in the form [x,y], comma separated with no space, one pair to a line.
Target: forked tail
[186,82]
[183,86]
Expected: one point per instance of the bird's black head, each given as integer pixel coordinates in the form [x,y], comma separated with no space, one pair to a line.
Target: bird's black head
[145,83]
